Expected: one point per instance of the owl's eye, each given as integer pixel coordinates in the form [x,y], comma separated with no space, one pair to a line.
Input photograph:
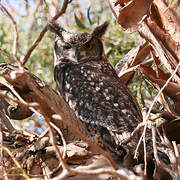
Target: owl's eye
[66,47]
[88,46]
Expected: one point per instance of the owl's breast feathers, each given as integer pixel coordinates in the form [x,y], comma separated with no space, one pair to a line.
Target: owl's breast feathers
[100,99]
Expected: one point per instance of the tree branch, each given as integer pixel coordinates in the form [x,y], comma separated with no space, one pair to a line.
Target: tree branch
[42,33]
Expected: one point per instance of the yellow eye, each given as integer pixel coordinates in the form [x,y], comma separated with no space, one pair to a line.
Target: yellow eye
[88,46]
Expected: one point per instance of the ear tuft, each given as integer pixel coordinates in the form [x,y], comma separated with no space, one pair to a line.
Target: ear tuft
[100,30]
[55,28]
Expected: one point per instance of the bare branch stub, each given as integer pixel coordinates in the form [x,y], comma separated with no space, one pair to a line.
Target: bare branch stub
[42,33]
[6,121]
[19,112]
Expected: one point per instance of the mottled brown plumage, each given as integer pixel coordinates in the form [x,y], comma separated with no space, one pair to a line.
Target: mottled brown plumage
[91,87]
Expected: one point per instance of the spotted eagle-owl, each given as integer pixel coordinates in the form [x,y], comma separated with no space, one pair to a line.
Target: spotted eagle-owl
[91,87]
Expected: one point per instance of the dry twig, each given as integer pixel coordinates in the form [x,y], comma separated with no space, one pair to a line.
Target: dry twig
[19,100]
[57,150]
[15,161]
[154,144]
[158,160]
[155,99]
[62,137]
[133,134]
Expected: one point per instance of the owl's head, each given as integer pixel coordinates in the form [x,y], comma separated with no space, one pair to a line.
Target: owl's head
[73,48]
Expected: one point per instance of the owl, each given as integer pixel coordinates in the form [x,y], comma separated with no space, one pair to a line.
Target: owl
[91,87]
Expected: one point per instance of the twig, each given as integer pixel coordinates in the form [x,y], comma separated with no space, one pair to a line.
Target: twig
[42,33]
[133,134]
[158,160]
[62,137]
[155,99]
[154,144]
[57,150]
[33,19]
[155,117]
[164,114]
[161,90]
[141,94]
[145,154]
[15,161]
[121,173]
[20,99]
[167,141]
[52,136]
[134,68]
[144,145]
[19,112]
[160,136]
[53,140]
[15,42]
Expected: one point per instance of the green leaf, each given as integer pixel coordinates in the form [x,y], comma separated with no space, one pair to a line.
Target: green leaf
[79,23]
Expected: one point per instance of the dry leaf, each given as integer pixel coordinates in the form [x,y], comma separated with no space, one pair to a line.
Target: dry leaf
[131,14]
[170,18]
[148,72]
[134,57]
[160,74]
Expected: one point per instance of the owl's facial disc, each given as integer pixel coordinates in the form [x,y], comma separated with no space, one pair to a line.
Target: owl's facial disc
[70,52]
[64,53]
[77,48]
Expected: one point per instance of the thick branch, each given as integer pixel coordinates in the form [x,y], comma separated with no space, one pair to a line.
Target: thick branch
[33,89]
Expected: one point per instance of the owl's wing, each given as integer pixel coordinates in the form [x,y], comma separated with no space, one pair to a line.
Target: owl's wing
[103,100]
[116,103]
[117,110]
[59,78]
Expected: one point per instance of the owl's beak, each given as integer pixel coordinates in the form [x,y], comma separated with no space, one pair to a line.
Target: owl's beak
[72,56]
